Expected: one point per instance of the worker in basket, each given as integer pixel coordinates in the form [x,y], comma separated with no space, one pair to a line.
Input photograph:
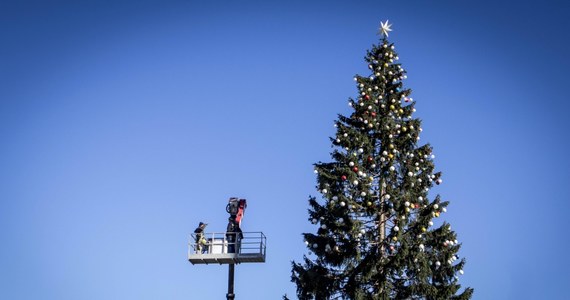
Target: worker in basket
[233,236]
[201,243]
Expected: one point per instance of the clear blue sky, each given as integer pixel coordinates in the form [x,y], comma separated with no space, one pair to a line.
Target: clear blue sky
[125,123]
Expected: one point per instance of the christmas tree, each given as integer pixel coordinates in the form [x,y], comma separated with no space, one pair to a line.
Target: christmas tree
[376,237]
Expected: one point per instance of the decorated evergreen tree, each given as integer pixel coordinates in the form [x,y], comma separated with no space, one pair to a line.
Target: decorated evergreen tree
[376,237]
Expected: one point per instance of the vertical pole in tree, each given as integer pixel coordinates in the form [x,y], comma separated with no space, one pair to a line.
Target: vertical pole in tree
[230,295]
[382,218]
[382,229]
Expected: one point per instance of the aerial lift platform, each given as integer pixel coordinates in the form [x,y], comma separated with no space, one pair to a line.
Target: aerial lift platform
[231,247]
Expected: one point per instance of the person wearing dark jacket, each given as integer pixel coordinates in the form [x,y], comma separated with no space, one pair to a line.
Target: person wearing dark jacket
[233,236]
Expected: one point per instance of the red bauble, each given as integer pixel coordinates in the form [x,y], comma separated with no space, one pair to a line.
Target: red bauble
[343,177]
[355,169]
[367,97]
[370,159]
[373,114]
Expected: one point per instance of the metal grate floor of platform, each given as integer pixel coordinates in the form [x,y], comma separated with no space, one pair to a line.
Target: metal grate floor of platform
[226,258]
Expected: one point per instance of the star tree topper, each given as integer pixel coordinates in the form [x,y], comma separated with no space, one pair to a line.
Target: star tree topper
[385,28]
